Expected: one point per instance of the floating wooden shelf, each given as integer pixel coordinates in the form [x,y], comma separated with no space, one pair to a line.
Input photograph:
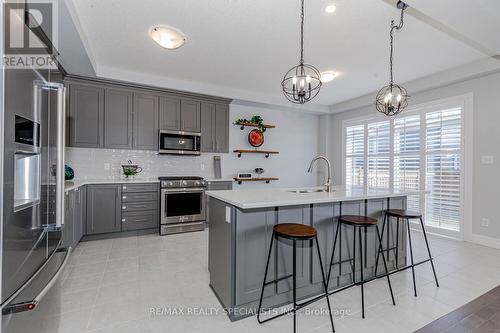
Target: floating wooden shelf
[255,151]
[267,180]
[242,125]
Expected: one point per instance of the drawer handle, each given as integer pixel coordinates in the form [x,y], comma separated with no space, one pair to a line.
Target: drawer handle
[124,220]
[124,187]
[124,207]
[124,197]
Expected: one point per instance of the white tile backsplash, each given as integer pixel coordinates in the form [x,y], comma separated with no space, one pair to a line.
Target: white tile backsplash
[91,163]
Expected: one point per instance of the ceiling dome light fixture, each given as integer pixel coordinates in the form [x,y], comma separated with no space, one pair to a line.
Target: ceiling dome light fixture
[328,76]
[330,8]
[167,37]
[302,82]
[392,99]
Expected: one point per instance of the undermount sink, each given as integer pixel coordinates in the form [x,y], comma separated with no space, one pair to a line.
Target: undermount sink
[309,191]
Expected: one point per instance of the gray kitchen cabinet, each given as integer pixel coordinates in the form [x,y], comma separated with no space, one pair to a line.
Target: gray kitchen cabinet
[214,128]
[145,122]
[118,121]
[79,212]
[103,208]
[221,128]
[67,230]
[85,115]
[207,127]
[170,113]
[190,116]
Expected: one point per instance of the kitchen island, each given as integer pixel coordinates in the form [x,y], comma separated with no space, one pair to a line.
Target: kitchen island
[240,231]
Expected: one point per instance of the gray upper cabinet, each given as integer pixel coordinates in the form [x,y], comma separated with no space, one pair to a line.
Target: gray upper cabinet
[145,120]
[214,127]
[117,115]
[85,115]
[190,116]
[103,208]
[170,113]
[117,118]
[207,127]
[221,128]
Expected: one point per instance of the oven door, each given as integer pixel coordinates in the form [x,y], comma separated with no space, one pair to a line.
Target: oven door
[182,205]
[179,143]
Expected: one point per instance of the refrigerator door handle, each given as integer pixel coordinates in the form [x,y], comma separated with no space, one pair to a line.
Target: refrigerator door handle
[61,112]
[60,162]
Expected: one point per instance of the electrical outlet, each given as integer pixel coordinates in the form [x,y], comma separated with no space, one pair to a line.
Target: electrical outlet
[107,166]
[485,222]
[202,166]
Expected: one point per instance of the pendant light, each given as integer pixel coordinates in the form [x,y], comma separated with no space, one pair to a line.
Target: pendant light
[392,99]
[302,82]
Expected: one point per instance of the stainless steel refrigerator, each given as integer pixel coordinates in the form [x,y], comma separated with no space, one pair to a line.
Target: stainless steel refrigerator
[32,191]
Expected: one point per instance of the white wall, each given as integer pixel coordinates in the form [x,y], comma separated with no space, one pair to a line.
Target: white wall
[486,139]
[295,137]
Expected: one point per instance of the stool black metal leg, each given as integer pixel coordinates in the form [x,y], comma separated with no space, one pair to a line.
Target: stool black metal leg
[265,277]
[385,266]
[380,248]
[429,251]
[333,254]
[411,256]
[397,243]
[362,277]
[325,283]
[294,278]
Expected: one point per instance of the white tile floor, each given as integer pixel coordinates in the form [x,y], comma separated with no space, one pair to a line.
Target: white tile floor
[111,285]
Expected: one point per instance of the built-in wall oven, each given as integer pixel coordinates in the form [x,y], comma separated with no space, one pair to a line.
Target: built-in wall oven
[179,142]
[182,204]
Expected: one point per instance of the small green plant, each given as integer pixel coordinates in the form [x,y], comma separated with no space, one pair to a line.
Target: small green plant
[129,172]
[254,120]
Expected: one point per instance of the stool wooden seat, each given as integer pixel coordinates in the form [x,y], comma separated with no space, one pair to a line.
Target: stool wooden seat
[403,213]
[358,220]
[294,230]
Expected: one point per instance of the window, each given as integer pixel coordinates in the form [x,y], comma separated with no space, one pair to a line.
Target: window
[418,150]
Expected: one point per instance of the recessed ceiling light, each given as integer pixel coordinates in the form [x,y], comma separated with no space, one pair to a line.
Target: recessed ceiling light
[330,8]
[167,37]
[328,76]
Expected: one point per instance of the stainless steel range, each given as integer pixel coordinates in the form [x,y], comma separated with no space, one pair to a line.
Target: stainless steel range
[182,204]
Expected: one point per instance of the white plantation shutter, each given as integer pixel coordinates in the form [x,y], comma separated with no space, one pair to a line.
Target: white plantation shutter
[407,158]
[443,170]
[420,150]
[378,165]
[355,152]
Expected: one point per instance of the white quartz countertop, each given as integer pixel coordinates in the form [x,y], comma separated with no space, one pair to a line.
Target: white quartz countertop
[70,185]
[261,198]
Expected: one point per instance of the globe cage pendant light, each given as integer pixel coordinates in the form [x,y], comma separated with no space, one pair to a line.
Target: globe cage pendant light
[393,98]
[302,82]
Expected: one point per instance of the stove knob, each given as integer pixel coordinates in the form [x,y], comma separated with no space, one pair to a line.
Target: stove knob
[203,183]
[170,183]
[197,182]
[184,182]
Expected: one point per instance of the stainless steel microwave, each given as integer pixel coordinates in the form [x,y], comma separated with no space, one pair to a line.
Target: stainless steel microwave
[179,142]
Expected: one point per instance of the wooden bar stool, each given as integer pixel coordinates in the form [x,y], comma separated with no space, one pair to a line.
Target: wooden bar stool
[358,222]
[401,215]
[294,232]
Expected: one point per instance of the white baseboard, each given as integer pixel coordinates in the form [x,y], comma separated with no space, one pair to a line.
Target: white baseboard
[486,241]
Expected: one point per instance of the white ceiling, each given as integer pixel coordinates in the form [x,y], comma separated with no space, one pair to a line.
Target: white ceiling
[241,49]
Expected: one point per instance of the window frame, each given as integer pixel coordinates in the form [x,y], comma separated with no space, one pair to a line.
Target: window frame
[466,103]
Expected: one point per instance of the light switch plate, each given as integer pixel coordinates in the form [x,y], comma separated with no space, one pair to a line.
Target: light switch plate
[228,214]
[487,159]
